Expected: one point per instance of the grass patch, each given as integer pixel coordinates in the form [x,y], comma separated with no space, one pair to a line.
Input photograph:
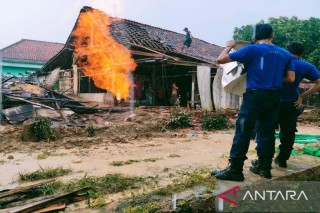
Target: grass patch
[44,155]
[185,180]
[151,159]
[179,119]
[146,208]
[91,131]
[42,129]
[122,163]
[214,123]
[99,202]
[110,183]
[43,173]
[98,186]
[128,162]
[174,156]
[47,189]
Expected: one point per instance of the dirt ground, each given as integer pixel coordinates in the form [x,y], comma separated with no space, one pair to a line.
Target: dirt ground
[126,136]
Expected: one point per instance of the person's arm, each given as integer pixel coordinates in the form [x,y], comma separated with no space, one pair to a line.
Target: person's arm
[290,74]
[310,91]
[289,77]
[224,56]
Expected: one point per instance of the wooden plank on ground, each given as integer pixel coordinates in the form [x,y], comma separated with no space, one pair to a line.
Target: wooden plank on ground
[22,190]
[55,207]
[67,198]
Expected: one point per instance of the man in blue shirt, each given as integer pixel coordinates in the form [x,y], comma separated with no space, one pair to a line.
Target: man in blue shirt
[267,66]
[291,99]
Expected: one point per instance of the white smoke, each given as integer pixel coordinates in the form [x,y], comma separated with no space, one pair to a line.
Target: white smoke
[113,8]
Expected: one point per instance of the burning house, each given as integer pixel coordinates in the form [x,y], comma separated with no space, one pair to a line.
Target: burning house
[107,59]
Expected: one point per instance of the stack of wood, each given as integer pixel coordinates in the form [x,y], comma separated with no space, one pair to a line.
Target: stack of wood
[10,200]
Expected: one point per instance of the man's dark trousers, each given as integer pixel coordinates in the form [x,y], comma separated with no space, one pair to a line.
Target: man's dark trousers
[261,106]
[288,123]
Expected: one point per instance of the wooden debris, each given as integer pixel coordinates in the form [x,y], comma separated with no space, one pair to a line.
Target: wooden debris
[22,190]
[52,203]
[55,207]
[33,103]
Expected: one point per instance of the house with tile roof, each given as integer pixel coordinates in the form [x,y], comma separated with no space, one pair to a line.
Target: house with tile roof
[160,62]
[27,56]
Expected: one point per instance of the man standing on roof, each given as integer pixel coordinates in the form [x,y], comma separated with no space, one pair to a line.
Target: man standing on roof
[188,41]
[267,66]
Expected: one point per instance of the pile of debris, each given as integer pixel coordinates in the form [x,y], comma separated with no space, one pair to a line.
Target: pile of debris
[23,101]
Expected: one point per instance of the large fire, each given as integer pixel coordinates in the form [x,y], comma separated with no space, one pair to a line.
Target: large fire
[102,58]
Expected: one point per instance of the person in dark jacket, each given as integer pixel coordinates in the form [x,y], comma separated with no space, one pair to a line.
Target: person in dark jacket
[188,41]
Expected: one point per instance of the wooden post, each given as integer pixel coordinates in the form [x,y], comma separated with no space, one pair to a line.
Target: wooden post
[192,88]
[75,79]
[154,74]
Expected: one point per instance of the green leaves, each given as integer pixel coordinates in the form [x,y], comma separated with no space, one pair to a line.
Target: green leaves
[214,123]
[91,131]
[180,119]
[291,29]
[42,129]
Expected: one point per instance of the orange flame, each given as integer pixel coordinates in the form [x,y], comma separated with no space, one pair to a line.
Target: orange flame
[100,56]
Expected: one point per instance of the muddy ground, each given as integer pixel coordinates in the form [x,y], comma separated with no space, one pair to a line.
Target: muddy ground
[139,136]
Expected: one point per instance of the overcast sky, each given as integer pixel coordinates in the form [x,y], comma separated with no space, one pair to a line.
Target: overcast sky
[210,20]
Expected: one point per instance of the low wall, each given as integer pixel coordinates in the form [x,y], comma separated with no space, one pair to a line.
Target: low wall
[106,98]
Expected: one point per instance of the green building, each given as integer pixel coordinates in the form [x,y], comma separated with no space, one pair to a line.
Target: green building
[26,56]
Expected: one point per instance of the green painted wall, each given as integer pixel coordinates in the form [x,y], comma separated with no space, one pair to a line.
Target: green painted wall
[10,68]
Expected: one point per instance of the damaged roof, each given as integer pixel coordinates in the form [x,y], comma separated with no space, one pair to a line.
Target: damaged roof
[136,35]
[130,32]
[31,50]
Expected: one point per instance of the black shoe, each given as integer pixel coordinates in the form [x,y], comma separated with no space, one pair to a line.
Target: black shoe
[261,172]
[280,162]
[262,167]
[232,172]
[216,172]
[255,162]
[228,174]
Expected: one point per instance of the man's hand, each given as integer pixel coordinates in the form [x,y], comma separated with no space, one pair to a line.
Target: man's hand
[224,56]
[231,43]
[298,102]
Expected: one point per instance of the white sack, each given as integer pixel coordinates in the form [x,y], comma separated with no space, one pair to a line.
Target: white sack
[232,81]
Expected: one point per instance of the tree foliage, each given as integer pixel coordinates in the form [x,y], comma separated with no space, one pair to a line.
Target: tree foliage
[290,29]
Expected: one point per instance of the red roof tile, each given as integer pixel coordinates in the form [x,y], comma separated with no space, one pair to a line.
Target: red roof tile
[31,50]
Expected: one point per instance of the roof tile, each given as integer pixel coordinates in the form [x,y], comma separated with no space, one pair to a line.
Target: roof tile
[130,32]
[31,50]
